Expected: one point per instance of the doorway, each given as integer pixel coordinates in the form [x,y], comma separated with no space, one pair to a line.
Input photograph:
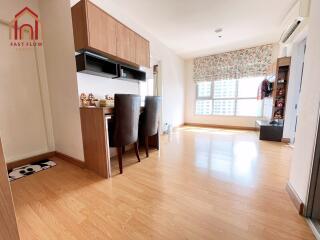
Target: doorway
[294,89]
[153,84]
[313,203]
[301,54]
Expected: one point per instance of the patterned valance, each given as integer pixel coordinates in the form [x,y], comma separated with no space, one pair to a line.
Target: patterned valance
[233,65]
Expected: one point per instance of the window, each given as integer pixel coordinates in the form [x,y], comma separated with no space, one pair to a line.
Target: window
[146,89]
[223,107]
[203,107]
[234,97]
[204,89]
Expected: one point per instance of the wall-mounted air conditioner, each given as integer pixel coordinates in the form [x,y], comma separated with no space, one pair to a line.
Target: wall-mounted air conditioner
[295,20]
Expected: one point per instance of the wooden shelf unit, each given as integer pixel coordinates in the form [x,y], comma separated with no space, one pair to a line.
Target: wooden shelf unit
[97,31]
[280,88]
[96,65]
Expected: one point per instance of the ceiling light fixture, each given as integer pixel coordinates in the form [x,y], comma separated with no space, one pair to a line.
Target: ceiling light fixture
[219,32]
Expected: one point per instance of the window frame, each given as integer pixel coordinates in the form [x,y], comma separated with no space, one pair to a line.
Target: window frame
[236,98]
[204,98]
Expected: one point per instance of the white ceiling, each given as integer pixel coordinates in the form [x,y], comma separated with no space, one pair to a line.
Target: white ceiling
[187,26]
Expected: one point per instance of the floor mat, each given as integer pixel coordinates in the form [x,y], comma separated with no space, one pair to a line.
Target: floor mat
[30,169]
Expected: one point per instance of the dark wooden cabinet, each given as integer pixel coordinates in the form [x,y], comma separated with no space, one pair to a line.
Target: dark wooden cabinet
[270,132]
[96,30]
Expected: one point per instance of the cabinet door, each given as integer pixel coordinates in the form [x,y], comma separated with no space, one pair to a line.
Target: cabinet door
[79,22]
[102,30]
[126,43]
[142,51]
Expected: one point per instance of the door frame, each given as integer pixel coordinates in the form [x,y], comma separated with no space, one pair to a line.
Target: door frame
[8,226]
[314,187]
[301,45]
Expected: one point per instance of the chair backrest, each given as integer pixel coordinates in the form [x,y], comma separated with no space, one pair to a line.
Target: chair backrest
[126,119]
[151,115]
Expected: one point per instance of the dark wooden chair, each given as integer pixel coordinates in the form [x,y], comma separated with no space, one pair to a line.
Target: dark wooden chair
[149,120]
[123,127]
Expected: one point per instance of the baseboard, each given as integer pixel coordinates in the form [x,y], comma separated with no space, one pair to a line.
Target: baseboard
[33,159]
[69,159]
[295,199]
[29,160]
[285,140]
[220,126]
[178,126]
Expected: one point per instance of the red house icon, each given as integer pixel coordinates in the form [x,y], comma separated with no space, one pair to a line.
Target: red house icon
[19,29]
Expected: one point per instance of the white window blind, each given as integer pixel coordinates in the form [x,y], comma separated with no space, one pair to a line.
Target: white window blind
[232,97]
[224,89]
[203,107]
[204,89]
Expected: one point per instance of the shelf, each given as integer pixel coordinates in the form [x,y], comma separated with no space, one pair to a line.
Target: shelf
[129,73]
[93,64]
[281,84]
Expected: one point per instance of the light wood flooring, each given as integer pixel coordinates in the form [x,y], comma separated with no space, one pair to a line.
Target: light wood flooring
[203,184]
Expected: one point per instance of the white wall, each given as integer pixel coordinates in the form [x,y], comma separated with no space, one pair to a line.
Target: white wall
[25,120]
[190,99]
[62,79]
[173,84]
[39,92]
[294,48]
[308,109]
[101,86]
[171,66]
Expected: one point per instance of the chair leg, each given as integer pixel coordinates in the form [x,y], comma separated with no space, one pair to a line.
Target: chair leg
[158,141]
[146,143]
[136,149]
[123,149]
[119,150]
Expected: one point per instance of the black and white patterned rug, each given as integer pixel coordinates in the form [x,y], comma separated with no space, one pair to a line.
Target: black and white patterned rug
[30,169]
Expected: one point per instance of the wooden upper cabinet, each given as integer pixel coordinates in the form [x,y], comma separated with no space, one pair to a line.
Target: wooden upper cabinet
[126,43]
[102,30]
[95,30]
[79,22]
[142,51]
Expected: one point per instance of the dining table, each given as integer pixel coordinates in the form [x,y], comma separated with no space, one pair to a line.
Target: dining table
[94,126]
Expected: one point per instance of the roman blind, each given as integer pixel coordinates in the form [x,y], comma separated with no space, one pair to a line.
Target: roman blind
[244,63]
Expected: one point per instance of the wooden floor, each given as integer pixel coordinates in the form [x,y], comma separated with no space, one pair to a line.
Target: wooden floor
[203,184]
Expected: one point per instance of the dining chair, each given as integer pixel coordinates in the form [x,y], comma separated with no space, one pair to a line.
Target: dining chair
[124,125]
[149,120]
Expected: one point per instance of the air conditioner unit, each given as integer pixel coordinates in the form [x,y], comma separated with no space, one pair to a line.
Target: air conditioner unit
[295,20]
